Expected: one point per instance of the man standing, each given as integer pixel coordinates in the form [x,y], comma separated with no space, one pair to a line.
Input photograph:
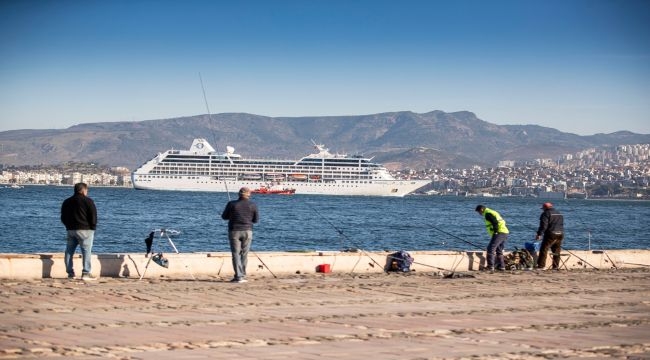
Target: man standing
[551,226]
[79,215]
[241,215]
[496,228]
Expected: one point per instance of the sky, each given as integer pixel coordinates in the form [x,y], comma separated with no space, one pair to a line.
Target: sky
[579,66]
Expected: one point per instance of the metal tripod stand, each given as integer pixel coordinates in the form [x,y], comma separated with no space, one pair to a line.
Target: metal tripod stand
[167,233]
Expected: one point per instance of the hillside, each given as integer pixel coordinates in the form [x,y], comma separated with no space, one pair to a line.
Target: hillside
[398,139]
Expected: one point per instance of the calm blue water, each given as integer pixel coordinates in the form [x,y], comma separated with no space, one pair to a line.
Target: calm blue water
[30,221]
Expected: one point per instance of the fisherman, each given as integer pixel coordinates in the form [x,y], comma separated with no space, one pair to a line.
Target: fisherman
[79,215]
[241,215]
[496,228]
[551,227]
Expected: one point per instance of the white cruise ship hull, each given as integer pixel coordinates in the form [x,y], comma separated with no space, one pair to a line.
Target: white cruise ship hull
[396,188]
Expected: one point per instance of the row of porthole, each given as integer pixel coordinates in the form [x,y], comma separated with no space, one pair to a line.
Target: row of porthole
[147,177]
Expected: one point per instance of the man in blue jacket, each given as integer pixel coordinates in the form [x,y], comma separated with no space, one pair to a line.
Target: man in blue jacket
[241,215]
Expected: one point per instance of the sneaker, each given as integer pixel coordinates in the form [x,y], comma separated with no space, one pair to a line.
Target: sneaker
[88,277]
[70,276]
[239,281]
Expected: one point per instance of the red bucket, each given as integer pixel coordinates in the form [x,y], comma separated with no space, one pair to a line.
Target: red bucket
[323,268]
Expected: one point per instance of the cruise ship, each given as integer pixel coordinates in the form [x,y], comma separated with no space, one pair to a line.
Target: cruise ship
[201,168]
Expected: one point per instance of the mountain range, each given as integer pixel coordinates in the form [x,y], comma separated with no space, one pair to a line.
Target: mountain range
[399,140]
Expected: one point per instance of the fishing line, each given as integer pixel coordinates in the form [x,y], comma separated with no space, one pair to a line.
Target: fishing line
[345,236]
[214,136]
[225,181]
[602,250]
[451,272]
[456,237]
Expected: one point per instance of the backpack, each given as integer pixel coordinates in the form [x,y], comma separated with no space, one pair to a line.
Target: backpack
[519,259]
[400,261]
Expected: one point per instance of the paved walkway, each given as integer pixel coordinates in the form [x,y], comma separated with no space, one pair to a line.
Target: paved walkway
[521,315]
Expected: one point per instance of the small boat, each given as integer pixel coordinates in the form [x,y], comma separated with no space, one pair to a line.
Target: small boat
[298,177]
[273,190]
[274,176]
[251,176]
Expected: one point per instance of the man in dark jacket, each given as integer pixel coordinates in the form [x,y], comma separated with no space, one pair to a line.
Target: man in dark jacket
[241,215]
[79,215]
[551,227]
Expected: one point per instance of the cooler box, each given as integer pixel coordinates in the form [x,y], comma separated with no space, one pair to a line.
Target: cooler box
[533,246]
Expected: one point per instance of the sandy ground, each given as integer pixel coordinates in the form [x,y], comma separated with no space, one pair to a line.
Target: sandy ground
[514,315]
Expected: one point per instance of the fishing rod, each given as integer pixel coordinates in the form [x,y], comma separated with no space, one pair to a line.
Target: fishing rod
[225,181]
[214,138]
[457,237]
[579,258]
[345,236]
[266,266]
[451,272]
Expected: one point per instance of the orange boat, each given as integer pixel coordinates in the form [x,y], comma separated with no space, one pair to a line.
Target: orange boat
[273,190]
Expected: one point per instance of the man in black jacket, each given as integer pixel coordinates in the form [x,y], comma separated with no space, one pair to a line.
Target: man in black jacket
[241,215]
[79,215]
[551,226]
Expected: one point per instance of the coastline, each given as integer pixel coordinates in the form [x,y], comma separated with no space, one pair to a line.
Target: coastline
[476,196]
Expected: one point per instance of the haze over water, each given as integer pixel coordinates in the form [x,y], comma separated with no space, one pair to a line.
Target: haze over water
[31,224]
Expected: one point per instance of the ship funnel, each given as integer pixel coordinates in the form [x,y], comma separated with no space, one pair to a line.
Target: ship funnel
[201,146]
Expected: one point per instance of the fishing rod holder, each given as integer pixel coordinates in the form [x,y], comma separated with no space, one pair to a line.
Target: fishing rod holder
[163,234]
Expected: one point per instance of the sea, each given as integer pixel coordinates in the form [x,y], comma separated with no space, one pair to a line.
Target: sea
[30,222]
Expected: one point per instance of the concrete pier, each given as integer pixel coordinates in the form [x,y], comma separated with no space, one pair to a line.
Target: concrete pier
[184,265]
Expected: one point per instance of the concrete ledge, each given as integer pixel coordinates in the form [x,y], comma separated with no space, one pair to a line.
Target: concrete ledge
[187,265]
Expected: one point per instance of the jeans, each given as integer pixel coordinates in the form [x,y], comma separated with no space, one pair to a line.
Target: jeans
[495,250]
[240,244]
[83,239]
[554,242]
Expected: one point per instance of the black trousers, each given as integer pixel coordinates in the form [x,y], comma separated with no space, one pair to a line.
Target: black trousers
[551,241]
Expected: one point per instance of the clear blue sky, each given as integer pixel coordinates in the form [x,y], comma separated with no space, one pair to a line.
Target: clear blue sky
[580,66]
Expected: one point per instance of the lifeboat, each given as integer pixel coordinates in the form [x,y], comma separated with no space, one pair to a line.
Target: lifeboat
[251,177]
[274,176]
